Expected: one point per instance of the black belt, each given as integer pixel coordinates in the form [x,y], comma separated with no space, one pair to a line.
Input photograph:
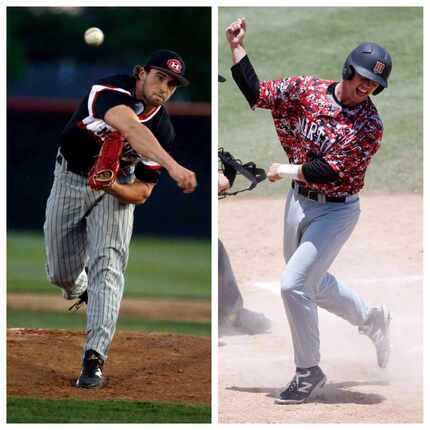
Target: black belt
[71,168]
[315,195]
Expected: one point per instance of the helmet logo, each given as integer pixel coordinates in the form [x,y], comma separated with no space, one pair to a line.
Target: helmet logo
[174,65]
[379,68]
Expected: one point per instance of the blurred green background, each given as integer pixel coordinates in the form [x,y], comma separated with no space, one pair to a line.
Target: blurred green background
[48,35]
[284,42]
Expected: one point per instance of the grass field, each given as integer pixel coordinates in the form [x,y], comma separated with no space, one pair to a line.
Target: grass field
[77,321]
[157,268]
[316,41]
[28,410]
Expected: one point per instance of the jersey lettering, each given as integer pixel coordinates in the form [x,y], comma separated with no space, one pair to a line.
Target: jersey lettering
[315,133]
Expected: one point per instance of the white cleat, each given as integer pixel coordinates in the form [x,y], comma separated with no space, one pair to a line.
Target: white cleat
[377,328]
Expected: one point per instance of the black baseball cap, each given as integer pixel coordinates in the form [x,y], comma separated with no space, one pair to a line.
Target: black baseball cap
[169,62]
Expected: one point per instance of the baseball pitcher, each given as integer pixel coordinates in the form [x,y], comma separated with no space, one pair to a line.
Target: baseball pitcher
[110,157]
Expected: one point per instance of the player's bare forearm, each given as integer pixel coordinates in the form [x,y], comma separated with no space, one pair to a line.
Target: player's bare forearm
[144,143]
[138,135]
[237,54]
[135,193]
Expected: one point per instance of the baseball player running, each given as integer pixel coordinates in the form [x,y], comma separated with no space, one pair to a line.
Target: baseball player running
[88,221]
[329,131]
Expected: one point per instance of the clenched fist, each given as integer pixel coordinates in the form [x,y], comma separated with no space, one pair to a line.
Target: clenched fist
[184,178]
[235,32]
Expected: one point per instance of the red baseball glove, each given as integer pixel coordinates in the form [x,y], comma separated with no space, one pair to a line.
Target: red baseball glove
[105,170]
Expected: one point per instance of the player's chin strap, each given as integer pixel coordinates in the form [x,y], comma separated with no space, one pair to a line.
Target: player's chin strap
[231,167]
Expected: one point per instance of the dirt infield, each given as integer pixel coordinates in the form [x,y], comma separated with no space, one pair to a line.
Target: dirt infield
[383,262]
[150,309]
[141,366]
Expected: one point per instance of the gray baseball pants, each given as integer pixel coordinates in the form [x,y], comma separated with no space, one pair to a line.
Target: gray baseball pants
[88,229]
[314,233]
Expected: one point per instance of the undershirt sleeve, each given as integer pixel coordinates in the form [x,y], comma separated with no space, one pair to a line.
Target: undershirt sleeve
[318,171]
[146,174]
[246,79]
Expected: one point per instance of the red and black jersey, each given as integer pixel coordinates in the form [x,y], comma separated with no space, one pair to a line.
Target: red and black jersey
[86,130]
[311,123]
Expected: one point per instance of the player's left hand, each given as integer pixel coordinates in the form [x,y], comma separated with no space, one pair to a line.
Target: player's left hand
[272,174]
[105,170]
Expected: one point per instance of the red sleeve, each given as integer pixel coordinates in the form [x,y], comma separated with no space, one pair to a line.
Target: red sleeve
[273,93]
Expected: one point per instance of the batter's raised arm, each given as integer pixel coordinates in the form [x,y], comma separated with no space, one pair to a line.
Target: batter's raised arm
[242,71]
[145,143]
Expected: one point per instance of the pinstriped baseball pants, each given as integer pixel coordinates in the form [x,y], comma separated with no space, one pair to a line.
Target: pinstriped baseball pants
[87,229]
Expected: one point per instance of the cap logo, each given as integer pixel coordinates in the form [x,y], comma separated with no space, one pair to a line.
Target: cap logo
[379,68]
[174,65]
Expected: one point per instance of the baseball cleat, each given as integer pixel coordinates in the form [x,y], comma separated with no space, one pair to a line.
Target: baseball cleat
[305,384]
[91,374]
[377,328]
[83,298]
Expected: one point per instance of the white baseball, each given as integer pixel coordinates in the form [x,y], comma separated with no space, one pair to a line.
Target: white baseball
[94,36]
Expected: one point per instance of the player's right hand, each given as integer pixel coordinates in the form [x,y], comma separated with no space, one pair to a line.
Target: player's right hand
[272,173]
[235,32]
[184,178]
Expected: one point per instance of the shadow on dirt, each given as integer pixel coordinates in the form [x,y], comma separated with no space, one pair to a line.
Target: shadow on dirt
[331,393]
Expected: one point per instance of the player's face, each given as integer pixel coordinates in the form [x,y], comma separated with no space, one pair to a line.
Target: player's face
[358,89]
[157,87]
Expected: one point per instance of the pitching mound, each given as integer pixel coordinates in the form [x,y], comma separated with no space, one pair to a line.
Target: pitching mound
[141,366]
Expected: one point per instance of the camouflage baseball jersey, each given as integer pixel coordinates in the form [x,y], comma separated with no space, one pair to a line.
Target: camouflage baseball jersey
[310,123]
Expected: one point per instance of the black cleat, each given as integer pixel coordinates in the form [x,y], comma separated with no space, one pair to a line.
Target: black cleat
[91,374]
[83,298]
[305,384]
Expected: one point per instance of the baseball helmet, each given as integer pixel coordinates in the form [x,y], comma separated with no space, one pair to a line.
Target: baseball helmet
[371,61]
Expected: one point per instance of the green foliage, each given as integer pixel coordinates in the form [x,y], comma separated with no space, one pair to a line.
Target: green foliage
[316,41]
[156,268]
[28,410]
[77,321]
